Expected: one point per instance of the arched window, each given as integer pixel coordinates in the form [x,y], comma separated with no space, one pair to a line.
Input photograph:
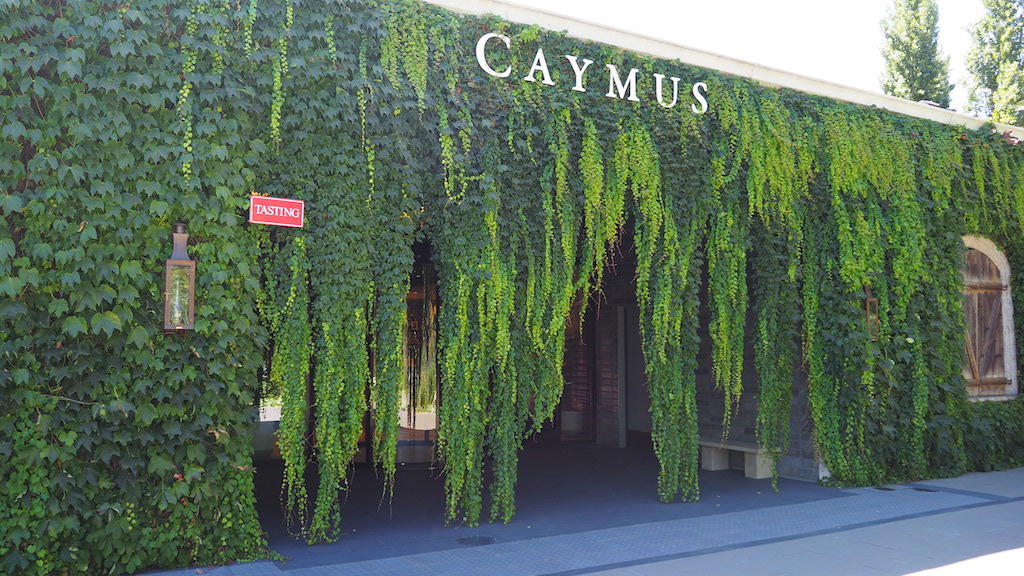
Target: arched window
[990,362]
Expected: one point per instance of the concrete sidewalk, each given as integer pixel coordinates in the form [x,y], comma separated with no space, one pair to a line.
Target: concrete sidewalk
[981,538]
[968,525]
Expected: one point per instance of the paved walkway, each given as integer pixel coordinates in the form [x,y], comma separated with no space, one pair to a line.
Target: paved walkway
[968,525]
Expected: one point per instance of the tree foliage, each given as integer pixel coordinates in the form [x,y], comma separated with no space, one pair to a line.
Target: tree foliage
[914,67]
[996,62]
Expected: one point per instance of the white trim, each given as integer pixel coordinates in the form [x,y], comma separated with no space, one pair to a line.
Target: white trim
[639,43]
[989,249]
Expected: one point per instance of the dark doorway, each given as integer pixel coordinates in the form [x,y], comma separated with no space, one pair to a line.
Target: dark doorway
[638,401]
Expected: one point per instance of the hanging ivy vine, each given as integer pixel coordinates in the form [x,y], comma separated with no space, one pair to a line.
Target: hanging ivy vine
[727,246]
[287,318]
[781,166]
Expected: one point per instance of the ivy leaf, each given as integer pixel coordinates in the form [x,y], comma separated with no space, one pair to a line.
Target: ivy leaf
[196,452]
[258,146]
[121,49]
[49,453]
[75,55]
[145,414]
[67,437]
[21,376]
[132,269]
[14,130]
[69,68]
[11,285]
[74,326]
[138,336]
[158,207]
[58,307]
[6,250]
[159,463]
[106,322]
[13,562]
[10,309]
[172,428]
[138,80]
[11,203]
[122,406]
[193,473]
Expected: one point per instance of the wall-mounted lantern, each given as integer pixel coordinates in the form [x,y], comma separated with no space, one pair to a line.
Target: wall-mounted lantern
[180,285]
[871,308]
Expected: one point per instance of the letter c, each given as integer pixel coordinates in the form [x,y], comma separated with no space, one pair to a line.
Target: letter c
[481,57]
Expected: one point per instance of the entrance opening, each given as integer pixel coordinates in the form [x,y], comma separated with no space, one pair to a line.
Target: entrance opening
[417,416]
[574,421]
[591,468]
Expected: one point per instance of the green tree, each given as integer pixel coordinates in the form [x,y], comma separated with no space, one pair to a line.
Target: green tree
[914,67]
[996,62]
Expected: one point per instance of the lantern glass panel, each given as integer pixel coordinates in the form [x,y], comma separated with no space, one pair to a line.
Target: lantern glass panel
[179,312]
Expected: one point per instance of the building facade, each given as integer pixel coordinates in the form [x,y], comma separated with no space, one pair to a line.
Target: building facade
[510,232]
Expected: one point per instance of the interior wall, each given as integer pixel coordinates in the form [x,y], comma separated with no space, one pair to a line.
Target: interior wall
[614,405]
[638,401]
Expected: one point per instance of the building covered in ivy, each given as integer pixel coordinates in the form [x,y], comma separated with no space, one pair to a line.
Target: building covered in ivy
[587,235]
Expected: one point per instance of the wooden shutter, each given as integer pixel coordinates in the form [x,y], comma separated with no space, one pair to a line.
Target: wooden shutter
[984,368]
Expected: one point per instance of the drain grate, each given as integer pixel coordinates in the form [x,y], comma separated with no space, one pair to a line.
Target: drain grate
[884,488]
[476,540]
[919,489]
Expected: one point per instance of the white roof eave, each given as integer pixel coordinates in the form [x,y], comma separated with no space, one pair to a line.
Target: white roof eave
[641,44]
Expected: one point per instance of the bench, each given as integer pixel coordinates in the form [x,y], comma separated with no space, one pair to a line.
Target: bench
[714,455]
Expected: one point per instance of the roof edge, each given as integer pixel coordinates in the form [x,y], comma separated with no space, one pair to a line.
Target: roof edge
[664,49]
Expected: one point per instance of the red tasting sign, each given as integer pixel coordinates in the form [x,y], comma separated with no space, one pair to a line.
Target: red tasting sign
[276,211]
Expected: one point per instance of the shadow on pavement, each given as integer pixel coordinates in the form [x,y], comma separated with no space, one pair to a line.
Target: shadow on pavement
[562,489]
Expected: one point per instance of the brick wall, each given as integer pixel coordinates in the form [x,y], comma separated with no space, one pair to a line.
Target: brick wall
[800,460]
[618,290]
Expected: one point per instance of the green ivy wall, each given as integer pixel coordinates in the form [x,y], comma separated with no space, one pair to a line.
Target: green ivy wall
[123,448]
